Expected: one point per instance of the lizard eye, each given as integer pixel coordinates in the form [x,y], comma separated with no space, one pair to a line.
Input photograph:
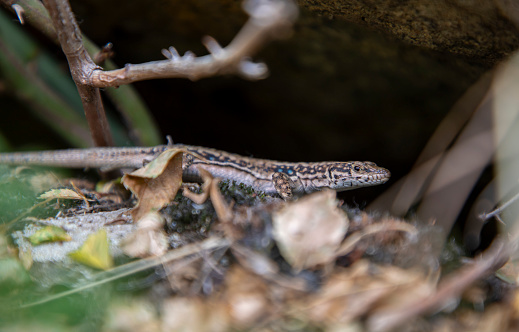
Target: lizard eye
[356,168]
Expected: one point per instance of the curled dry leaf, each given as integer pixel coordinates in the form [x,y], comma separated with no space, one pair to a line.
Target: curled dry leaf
[155,184]
[309,231]
[148,239]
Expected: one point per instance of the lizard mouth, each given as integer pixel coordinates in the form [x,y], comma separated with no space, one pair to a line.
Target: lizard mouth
[379,178]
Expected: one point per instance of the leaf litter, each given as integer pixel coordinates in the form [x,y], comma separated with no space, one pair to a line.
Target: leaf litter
[232,262]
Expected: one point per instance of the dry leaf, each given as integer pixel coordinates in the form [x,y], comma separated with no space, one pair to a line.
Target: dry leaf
[356,291]
[49,233]
[131,313]
[263,266]
[309,231]
[148,239]
[247,298]
[182,273]
[94,252]
[62,194]
[347,295]
[193,315]
[155,184]
[385,226]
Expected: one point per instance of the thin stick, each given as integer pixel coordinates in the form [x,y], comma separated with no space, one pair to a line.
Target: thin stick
[81,67]
[486,216]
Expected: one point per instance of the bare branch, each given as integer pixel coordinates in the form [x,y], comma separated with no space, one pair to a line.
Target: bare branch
[269,19]
[81,66]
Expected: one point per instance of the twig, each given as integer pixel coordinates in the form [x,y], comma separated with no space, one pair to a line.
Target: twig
[269,19]
[81,67]
[496,212]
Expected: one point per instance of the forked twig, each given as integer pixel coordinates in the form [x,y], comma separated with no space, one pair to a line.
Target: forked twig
[269,19]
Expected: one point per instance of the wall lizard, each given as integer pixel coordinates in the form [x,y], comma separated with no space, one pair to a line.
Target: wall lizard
[287,179]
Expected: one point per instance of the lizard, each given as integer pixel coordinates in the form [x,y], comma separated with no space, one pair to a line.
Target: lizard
[287,179]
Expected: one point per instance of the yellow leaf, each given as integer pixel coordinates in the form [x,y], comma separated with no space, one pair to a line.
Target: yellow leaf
[94,252]
[49,233]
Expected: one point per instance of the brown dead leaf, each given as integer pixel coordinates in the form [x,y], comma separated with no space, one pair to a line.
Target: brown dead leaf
[148,239]
[388,225]
[247,298]
[447,291]
[131,314]
[515,304]
[309,231]
[354,292]
[346,295]
[263,266]
[155,184]
[193,315]
[182,273]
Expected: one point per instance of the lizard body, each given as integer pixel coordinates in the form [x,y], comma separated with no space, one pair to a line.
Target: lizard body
[269,176]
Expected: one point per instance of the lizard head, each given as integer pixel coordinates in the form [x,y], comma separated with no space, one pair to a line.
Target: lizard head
[355,174]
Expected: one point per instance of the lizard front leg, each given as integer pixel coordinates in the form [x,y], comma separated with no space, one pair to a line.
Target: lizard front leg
[284,185]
